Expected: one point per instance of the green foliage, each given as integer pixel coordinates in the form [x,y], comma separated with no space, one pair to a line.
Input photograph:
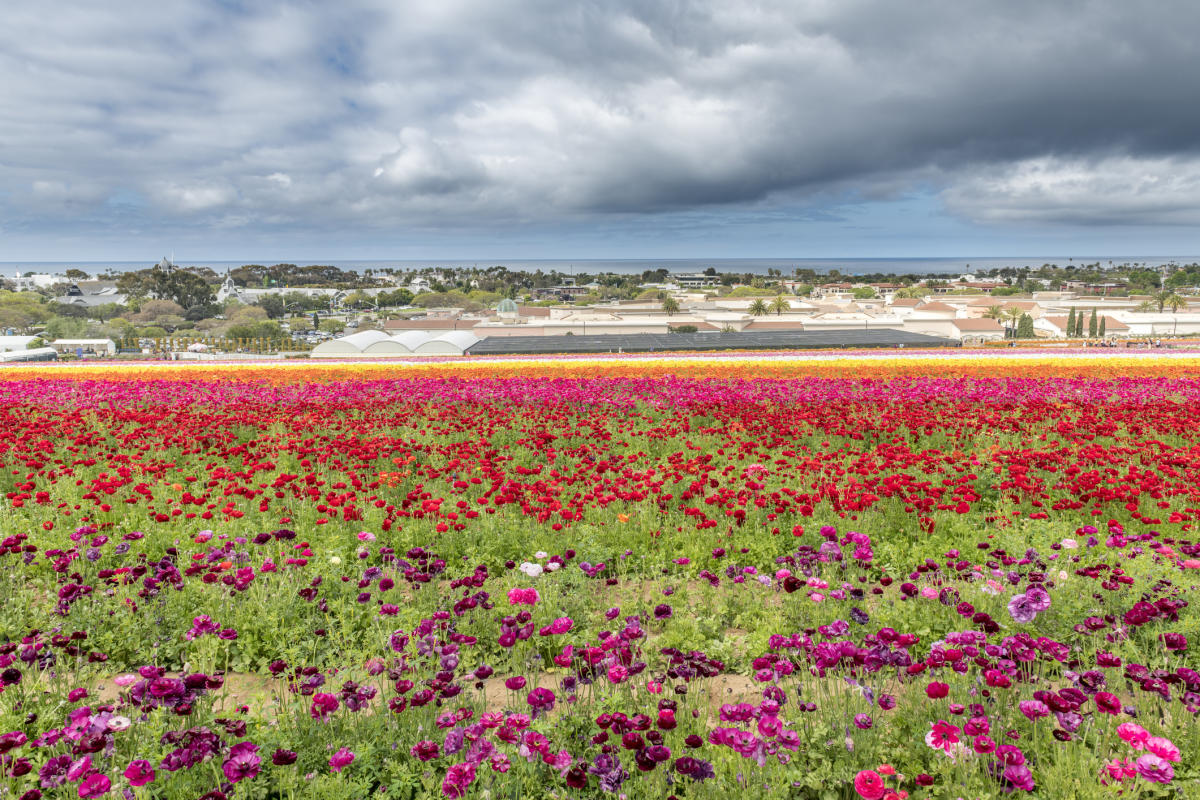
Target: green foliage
[752,291]
[182,286]
[332,325]
[1025,327]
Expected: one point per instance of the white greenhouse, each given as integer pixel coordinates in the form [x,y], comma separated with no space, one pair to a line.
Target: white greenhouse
[377,344]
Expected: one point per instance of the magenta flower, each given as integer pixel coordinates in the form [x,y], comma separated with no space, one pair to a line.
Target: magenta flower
[1019,776]
[341,759]
[942,736]
[424,750]
[458,779]
[139,772]
[1034,709]
[1133,735]
[79,768]
[1108,703]
[96,784]
[1163,748]
[515,683]
[540,700]
[323,704]
[527,597]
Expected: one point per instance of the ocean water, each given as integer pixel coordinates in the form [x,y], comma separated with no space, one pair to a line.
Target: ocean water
[759,266]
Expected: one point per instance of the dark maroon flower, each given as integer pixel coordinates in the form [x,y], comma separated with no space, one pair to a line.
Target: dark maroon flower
[281,757]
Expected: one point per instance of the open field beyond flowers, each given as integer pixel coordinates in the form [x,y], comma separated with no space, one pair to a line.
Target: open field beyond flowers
[822,576]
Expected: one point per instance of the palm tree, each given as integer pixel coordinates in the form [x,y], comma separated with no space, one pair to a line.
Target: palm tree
[780,305]
[1172,301]
[670,306]
[758,308]
[994,312]
[1012,315]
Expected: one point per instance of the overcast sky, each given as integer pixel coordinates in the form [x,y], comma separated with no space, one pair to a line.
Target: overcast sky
[561,129]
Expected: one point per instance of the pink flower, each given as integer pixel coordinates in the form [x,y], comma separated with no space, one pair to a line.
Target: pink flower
[128,679]
[942,736]
[341,759]
[366,536]
[523,597]
[869,785]
[1163,748]
[617,673]
[937,690]
[1133,735]
[929,593]
[983,744]
[1119,770]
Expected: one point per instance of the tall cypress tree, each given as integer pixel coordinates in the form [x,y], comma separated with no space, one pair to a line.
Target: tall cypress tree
[1025,327]
[1093,325]
[1102,326]
[1071,322]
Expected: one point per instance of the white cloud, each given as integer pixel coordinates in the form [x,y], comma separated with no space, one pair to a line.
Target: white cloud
[1117,190]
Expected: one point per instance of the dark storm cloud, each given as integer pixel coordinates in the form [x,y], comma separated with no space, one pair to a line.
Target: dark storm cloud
[370,115]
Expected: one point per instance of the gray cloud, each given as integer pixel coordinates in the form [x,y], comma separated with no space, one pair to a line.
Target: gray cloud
[474,113]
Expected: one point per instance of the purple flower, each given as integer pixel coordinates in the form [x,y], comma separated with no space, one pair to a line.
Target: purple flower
[1038,598]
[243,761]
[1022,609]
[1155,769]
[54,772]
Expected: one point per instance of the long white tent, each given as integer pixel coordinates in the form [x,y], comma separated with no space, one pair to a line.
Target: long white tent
[377,344]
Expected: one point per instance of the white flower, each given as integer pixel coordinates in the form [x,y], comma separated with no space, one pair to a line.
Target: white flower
[118,723]
[552,566]
[1070,544]
[335,560]
[540,554]
[532,570]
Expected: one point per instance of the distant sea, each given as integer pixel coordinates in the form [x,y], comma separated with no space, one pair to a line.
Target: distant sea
[848,266]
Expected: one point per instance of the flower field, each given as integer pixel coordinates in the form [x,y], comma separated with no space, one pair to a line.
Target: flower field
[938,575]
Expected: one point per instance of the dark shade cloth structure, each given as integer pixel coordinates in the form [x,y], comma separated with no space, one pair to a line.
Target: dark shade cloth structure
[679,342]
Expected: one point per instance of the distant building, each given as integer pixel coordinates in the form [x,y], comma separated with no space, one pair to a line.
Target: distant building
[695,280]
